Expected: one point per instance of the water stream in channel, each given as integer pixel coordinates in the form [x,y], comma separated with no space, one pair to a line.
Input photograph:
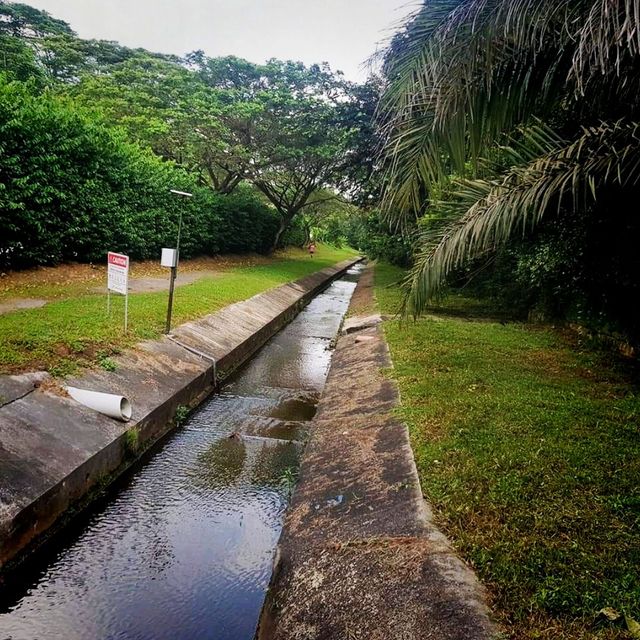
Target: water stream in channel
[182,548]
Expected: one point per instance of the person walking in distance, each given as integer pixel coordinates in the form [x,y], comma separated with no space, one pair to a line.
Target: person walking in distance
[312,249]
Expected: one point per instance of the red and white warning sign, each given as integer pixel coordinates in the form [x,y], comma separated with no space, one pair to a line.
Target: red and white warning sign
[117,272]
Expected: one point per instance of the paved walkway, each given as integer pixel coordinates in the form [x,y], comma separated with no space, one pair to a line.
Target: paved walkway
[360,557]
[136,285]
[16,304]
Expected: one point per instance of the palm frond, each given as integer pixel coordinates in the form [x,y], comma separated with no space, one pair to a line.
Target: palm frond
[609,35]
[485,214]
[469,76]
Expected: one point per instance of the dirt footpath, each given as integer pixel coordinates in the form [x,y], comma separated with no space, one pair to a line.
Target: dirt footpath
[136,285]
[149,285]
[360,557]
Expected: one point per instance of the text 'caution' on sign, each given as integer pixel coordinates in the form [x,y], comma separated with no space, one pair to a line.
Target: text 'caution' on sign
[117,272]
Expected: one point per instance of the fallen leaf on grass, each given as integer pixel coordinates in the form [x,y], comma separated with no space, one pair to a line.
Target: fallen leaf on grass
[609,613]
[632,626]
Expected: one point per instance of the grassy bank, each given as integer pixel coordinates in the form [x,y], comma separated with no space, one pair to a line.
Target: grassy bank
[527,446]
[75,331]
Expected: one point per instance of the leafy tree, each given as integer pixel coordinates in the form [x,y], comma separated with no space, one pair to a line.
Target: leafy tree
[155,100]
[359,114]
[51,42]
[366,231]
[333,221]
[290,183]
[60,55]
[284,127]
[324,216]
[18,61]
[169,108]
[22,21]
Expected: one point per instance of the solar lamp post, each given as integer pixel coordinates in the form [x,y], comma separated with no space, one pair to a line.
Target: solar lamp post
[174,261]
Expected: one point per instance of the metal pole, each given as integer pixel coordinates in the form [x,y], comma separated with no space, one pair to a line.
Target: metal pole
[172,280]
[169,308]
[126,309]
[178,242]
[174,270]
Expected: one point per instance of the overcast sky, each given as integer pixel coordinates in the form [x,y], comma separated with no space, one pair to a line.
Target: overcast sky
[342,32]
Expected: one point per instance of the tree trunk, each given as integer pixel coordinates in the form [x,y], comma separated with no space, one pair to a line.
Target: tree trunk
[282,227]
[307,234]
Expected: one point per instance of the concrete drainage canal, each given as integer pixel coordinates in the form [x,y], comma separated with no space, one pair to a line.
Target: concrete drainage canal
[183,548]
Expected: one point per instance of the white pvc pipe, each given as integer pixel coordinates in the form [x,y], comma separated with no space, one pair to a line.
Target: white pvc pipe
[111,405]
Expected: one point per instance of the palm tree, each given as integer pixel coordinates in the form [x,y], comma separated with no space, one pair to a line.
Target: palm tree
[500,113]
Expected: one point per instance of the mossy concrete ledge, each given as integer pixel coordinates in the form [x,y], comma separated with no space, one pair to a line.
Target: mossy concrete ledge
[359,556]
[55,452]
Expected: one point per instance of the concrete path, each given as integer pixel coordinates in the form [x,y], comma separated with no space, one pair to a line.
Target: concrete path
[136,285]
[150,285]
[16,304]
[54,451]
[360,557]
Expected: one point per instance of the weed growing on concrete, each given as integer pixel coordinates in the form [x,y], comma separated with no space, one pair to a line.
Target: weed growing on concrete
[182,413]
[288,480]
[107,364]
[132,441]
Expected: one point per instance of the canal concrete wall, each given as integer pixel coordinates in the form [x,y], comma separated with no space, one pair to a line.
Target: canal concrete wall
[360,556]
[55,453]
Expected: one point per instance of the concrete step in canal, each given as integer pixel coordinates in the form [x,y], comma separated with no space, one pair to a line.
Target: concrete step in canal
[183,546]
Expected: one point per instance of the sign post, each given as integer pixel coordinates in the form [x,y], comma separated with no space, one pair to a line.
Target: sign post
[118,281]
[170,258]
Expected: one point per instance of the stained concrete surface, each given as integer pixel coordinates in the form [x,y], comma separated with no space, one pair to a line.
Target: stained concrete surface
[13,388]
[17,304]
[150,284]
[358,323]
[53,451]
[360,556]
[136,285]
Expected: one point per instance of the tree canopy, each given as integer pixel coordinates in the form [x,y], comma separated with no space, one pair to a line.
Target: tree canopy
[283,131]
[281,126]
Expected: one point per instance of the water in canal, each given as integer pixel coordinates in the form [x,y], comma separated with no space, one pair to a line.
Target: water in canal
[184,548]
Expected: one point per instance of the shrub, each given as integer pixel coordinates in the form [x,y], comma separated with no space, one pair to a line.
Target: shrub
[72,187]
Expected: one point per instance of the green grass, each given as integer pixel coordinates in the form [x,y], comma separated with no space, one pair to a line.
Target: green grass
[67,334]
[527,444]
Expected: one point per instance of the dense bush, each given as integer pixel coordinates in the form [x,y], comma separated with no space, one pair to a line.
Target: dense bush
[71,188]
[295,235]
[581,267]
[239,222]
[535,277]
[369,234]
[334,229]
